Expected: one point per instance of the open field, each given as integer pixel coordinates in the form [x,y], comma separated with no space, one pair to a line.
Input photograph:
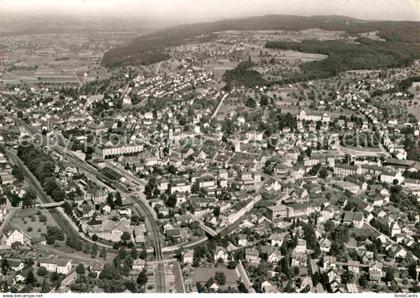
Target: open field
[28,221]
[51,58]
[415,108]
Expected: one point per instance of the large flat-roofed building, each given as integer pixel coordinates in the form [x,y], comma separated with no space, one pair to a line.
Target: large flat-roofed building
[110,150]
[345,170]
[179,185]
[315,117]
[298,210]
[277,212]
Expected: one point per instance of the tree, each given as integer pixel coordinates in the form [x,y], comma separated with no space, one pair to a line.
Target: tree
[134,253]
[54,234]
[3,199]
[30,278]
[94,251]
[289,288]
[136,220]
[125,236]
[45,287]
[28,199]
[14,199]
[347,277]
[110,201]
[86,249]
[109,272]
[285,268]
[220,278]
[118,199]
[128,263]
[250,103]
[4,266]
[216,211]
[200,287]
[341,235]
[80,269]
[231,265]
[17,173]
[389,276]
[171,202]
[54,277]
[323,173]
[143,254]
[363,281]
[329,225]
[42,271]
[102,254]
[242,288]
[122,254]
[310,236]
[29,262]
[264,100]
[172,169]
[75,243]
[412,272]
[316,278]
[142,278]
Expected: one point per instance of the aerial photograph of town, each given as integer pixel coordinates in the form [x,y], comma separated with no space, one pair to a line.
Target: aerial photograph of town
[209,146]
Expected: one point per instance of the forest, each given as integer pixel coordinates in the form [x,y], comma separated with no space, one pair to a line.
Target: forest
[150,48]
[244,75]
[344,56]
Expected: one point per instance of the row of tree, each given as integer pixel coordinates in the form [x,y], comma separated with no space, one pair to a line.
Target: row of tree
[42,166]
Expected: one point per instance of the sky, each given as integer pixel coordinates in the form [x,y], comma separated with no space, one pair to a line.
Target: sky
[185,11]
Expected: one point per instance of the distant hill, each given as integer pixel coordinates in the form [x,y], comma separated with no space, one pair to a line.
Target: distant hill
[150,48]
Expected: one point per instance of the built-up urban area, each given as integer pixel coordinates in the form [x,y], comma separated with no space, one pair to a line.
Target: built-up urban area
[199,174]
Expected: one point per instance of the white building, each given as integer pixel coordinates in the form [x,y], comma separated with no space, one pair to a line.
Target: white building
[57,265]
[15,235]
[221,254]
[314,117]
[188,257]
[110,150]
[138,264]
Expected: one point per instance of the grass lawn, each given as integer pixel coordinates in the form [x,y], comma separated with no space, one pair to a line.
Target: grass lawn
[29,221]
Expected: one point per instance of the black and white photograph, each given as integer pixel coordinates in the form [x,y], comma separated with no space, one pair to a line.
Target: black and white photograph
[244,147]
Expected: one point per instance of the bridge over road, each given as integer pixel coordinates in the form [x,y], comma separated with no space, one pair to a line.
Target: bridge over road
[50,205]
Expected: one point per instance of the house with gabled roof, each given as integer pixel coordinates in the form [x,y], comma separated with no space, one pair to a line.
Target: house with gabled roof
[375,271]
[59,265]
[13,235]
[355,218]
[277,239]
[325,245]
[221,254]
[252,255]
